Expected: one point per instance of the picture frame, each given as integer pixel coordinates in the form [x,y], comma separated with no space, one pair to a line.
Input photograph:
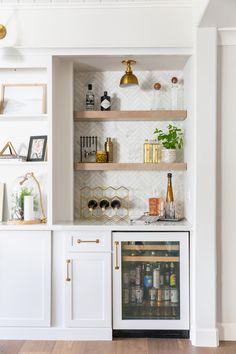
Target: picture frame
[37,148]
[23,99]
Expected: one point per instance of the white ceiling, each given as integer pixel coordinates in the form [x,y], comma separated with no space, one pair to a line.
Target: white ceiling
[144,62]
[161,2]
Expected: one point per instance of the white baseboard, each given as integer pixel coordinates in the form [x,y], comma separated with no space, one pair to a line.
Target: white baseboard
[204,337]
[17,333]
[227,331]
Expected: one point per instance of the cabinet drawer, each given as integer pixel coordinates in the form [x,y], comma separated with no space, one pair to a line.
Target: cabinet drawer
[84,241]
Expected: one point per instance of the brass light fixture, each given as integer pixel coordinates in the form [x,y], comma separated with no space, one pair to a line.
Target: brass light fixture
[128,79]
[3,31]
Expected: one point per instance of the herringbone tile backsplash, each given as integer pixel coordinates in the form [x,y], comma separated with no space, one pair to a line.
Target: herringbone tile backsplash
[128,137]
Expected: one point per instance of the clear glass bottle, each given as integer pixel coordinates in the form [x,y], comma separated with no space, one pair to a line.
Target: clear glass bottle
[156,151]
[157,97]
[174,93]
[90,99]
[148,151]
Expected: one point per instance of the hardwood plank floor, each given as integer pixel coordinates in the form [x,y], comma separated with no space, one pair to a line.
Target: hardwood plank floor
[117,346]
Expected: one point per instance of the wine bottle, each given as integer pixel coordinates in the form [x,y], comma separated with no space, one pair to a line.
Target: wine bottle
[105,102]
[116,204]
[104,204]
[90,99]
[92,204]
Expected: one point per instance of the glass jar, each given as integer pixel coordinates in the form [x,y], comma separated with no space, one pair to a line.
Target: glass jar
[101,156]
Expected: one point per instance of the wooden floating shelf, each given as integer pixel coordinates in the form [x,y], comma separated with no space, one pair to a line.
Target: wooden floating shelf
[151,247]
[161,115]
[130,166]
[150,259]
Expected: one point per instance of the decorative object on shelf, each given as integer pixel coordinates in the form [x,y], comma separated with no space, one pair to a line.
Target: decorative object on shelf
[151,151]
[156,206]
[12,154]
[171,140]
[24,187]
[23,99]
[175,94]
[105,102]
[3,31]
[109,149]
[2,186]
[105,203]
[157,97]
[101,156]
[88,148]
[37,148]
[128,79]
[90,99]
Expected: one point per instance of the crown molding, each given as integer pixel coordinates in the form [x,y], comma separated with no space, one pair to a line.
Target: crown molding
[226,36]
[98,4]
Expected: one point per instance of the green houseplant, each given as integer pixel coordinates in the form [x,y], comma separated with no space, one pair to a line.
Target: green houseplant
[170,140]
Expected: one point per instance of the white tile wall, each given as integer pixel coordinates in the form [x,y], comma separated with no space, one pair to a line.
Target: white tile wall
[129,137]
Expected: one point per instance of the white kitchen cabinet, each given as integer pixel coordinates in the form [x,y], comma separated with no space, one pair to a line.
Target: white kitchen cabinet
[25,278]
[88,290]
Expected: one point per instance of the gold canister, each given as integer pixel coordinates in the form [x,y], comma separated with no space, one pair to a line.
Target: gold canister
[109,149]
[156,152]
[148,152]
[101,156]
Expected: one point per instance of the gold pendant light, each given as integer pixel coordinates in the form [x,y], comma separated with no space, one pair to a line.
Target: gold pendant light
[3,31]
[128,79]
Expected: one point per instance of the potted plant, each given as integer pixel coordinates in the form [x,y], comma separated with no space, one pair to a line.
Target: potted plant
[170,140]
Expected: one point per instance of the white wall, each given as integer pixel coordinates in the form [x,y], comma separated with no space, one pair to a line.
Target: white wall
[226,190]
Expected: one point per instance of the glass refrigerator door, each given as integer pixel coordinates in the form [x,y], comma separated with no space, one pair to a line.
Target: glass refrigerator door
[152,279]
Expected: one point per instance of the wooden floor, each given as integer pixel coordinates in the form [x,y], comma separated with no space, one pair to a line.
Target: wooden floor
[118,346]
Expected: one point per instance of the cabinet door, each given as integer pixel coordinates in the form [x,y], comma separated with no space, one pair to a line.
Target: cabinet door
[25,278]
[88,290]
[151,280]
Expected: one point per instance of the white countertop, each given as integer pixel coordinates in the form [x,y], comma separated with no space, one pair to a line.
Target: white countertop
[182,225]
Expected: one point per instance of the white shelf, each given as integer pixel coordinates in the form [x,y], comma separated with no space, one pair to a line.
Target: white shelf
[22,163]
[23,118]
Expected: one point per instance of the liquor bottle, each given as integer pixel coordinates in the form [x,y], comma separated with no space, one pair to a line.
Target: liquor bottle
[169,208]
[147,281]
[104,204]
[109,149]
[166,275]
[172,275]
[116,204]
[90,99]
[105,102]
[92,204]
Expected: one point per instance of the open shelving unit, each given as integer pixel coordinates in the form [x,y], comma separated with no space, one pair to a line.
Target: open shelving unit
[159,115]
[130,166]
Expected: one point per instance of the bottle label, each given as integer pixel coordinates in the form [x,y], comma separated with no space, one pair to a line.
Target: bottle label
[147,281]
[173,279]
[105,104]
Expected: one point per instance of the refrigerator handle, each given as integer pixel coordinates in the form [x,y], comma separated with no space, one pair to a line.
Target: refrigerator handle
[117,255]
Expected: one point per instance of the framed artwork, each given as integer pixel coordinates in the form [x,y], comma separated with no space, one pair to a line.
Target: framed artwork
[37,148]
[23,99]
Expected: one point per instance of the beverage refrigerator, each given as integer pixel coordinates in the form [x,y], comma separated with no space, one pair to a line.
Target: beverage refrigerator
[151,282]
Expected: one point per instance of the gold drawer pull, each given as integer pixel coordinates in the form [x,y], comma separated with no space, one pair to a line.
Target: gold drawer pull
[117,260]
[67,270]
[88,241]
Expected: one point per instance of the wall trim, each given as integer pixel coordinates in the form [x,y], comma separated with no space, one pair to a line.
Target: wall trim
[226,36]
[227,331]
[204,337]
[100,4]
[56,333]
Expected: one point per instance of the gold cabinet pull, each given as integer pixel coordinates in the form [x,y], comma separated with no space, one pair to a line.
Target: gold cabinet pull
[88,241]
[117,255]
[67,270]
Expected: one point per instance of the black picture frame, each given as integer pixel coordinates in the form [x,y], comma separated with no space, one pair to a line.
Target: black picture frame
[42,155]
